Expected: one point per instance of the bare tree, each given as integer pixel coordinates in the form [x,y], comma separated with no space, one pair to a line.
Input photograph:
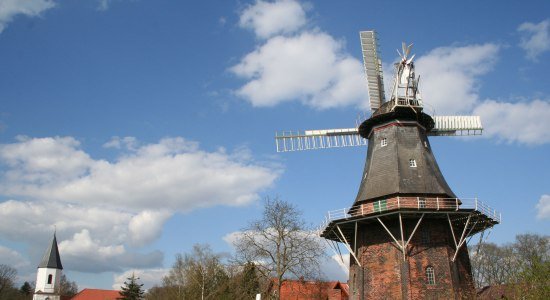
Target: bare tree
[66,287]
[280,244]
[7,278]
[199,275]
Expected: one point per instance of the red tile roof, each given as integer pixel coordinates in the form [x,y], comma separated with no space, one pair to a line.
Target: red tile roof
[95,294]
[306,290]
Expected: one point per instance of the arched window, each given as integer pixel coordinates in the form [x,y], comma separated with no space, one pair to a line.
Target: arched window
[50,277]
[430,275]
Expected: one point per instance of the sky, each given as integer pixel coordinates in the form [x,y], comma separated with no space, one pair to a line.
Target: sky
[138,128]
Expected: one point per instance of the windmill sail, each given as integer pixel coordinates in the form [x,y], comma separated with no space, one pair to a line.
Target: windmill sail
[373,69]
[456,125]
[287,141]
[318,139]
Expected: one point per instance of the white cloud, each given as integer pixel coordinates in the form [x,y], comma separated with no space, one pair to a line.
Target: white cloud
[127,142]
[13,258]
[148,277]
[84,253]
[535,38]
[147,226]
[32,8]
[335,269]
[449,76]
[311,68]
[523,122]
[173,173]
[35,221]
[44,160]
[543,207]
[270,18]
[103,210]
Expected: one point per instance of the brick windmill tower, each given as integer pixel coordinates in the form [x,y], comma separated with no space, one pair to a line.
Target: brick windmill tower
[406,231]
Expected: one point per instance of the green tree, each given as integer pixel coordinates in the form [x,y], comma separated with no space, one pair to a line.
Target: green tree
[132,290]
[26,289]
[249,284]
[524,266]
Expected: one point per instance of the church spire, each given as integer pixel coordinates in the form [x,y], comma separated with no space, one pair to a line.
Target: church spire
[51,258]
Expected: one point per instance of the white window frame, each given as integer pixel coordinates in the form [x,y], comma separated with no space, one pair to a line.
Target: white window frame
[430,275]
[383,142]
[421,202]
[412,163]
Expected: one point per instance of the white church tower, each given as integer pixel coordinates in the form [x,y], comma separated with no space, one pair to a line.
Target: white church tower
[48,277]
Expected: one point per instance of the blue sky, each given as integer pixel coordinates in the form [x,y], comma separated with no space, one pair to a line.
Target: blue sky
[138,128]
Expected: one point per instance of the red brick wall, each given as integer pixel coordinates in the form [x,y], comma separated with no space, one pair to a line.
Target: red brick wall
[386,276]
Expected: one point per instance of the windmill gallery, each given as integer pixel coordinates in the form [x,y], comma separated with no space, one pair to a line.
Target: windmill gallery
[406,231]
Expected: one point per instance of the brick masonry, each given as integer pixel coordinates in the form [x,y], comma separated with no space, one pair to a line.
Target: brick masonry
[385,275]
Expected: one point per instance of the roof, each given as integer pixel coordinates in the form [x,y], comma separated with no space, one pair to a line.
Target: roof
[51,258]
[388,171]
[500,291]
[96,294]
[306,290]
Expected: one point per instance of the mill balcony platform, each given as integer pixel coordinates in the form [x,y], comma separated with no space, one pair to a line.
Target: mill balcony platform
[468,213]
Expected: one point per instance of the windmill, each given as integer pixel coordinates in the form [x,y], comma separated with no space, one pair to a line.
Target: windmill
[406,231]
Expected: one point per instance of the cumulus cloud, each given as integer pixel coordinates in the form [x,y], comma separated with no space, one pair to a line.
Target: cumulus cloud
[270,18]
[31,8]
[449,76]
[147,226]
[333,268]
[84,253]
[535,38]
[294,63]
[111,207]
[310,67]
[14,258]
[522,122]
[543,207]
[173,173]
[148,277]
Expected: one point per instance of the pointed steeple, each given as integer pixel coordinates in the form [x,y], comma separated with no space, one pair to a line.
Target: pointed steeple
[51,258]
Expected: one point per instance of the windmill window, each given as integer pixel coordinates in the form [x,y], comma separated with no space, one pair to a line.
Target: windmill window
[380,205]
[384,142]
[430,276]
[412,163]
[421,202]
[425,236]
[50,277]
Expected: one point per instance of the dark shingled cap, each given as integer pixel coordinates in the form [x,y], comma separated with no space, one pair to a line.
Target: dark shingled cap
[51,258]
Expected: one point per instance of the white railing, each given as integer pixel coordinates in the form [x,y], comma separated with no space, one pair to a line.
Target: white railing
[411,203]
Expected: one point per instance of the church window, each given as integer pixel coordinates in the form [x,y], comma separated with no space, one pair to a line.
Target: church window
[412,163]
[384,142]
[430,275]
[50,277]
